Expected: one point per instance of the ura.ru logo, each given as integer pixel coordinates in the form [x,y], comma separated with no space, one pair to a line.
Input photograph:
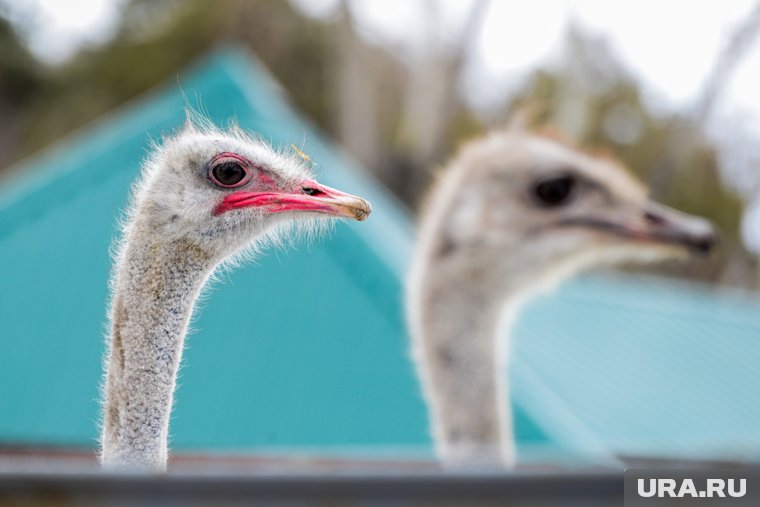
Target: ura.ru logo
[714,488]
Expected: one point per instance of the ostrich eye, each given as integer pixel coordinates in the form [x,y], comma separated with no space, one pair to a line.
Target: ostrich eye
[555,191]
[228,174]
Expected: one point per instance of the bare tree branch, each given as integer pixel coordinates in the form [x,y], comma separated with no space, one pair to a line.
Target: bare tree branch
[739,43]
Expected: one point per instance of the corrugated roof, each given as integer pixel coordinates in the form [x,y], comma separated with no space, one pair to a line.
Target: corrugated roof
[647,366]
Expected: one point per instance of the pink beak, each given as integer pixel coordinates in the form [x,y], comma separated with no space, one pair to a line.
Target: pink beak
[311,197]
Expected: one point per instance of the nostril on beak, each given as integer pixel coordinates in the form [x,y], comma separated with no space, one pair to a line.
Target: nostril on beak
[653,218]
[311,191]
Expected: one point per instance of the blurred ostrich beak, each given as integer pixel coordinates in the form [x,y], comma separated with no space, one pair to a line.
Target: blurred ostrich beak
[656,223]
[667,225]
[311,196]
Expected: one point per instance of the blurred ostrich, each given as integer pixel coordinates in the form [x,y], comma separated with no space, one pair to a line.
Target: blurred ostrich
[203,197]
[512,214]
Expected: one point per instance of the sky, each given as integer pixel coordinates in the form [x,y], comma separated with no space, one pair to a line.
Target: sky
[55,30]
[668,45]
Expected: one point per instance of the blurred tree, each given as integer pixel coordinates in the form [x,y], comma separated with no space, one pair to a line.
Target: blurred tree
[433,98]
[366,95]
[736,48]
[396,109]
[21,79]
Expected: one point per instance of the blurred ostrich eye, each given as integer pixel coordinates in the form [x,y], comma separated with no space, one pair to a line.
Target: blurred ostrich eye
[555,191]
[228,174]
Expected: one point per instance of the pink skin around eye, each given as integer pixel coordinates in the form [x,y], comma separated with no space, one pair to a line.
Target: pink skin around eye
[227,156]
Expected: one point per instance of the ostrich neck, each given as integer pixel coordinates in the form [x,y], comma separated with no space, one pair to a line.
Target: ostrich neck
[156,285]
[461,349]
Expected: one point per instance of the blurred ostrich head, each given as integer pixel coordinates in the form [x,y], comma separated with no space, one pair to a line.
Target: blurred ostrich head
[221,189]
[511,214]
[552,210]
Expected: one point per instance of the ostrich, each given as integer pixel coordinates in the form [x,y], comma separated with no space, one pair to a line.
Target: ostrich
[513,213]
[204,197]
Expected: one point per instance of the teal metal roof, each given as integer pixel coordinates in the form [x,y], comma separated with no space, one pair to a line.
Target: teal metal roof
[604,365]
[645,367]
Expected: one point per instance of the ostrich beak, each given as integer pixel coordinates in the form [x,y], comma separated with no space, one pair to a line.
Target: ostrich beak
[323,199]
[311,197]
[667,225]
[658,224]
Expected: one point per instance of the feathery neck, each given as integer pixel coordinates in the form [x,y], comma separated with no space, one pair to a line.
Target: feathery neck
[466,299]
[465,278]
[156,284]
[150,260]
[457,307]
[159,279]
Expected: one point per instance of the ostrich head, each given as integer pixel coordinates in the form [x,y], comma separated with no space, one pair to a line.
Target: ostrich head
[219,190]
[513,213]
[522,207]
